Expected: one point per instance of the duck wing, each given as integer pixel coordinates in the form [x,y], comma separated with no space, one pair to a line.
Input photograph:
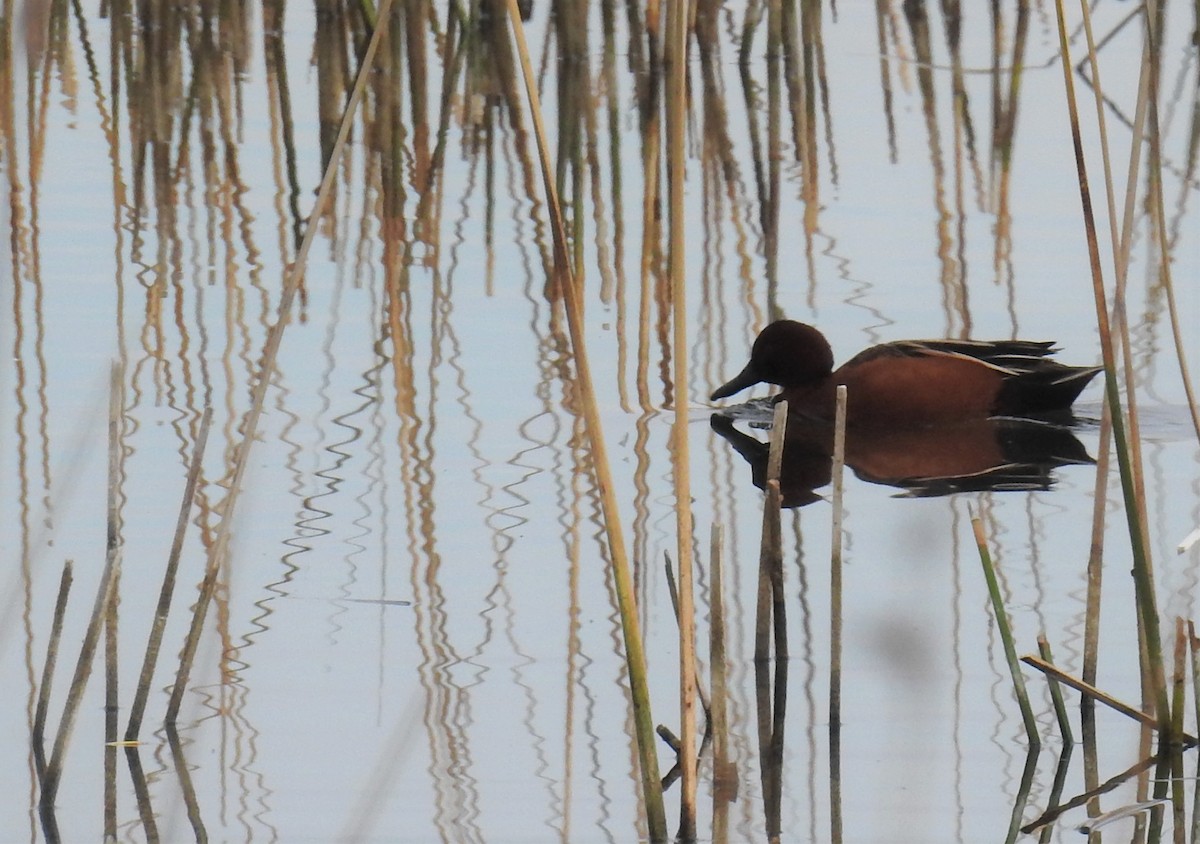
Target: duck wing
[1033,383]
[1013,357]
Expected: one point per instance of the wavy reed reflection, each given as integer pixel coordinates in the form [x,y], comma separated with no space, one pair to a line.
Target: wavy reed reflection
[423,447]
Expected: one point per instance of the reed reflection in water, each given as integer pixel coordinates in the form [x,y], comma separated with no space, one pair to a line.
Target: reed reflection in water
[413,636]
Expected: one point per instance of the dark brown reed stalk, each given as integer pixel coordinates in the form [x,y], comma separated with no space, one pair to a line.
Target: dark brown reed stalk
[1010,651]
[291,284]
[153,644]
[1056,696]
[1194,650]
[1142,572]
[1194,647]
[141,792]
[43,699]
[771,689]
[186,787]
[835,619]
[111,712]
[835,564]
[623,576]
[1179,676]
[104,593]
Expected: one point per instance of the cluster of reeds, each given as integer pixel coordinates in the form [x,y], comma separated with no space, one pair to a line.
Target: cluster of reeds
[365,55]
[104,615]
[1119,437]
[103,621]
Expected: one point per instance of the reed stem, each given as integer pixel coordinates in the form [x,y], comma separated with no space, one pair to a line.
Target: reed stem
[623,576]
[1006,637]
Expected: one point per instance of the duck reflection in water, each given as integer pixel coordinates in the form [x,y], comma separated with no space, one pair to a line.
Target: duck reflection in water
[970,456]
[930,416]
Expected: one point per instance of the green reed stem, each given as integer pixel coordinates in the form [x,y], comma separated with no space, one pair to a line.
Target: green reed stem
[1056,695]
[635,659]
[1142,573]
[1006,638]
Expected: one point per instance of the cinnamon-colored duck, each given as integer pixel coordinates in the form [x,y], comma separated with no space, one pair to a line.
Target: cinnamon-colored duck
[910,383]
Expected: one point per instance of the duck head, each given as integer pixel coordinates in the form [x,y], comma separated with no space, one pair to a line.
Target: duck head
[786,353]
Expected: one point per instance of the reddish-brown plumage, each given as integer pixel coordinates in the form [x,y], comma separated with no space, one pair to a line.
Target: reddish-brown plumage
[910,383]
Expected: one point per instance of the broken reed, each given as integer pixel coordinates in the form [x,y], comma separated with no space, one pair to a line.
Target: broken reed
[105,592]
[564,285]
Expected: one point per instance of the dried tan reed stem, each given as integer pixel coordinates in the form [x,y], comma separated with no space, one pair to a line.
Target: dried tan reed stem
[1094,693]
[623,577]
[1147,608]
[673,590]
[676,61]
[778,433]
[142,693]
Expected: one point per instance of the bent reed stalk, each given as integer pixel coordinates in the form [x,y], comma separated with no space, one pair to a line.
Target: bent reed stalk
[623,576]
[1126,452]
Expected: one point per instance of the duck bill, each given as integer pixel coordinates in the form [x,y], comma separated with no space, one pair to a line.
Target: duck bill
[748,377]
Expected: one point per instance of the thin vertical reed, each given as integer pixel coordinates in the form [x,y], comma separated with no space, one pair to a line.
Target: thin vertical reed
[676,62]
[835,564]
[771,687]
[1179,676]
[835,618]
[43,700]
[718,718]
[1148,611]
[104,592]
[673,589]
[1194,647]
[623,577]
[141,793]
[1150,31]
[779,418]
[142,693]
[1010,651]
[111,724]
[1056,695]
[186,787]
